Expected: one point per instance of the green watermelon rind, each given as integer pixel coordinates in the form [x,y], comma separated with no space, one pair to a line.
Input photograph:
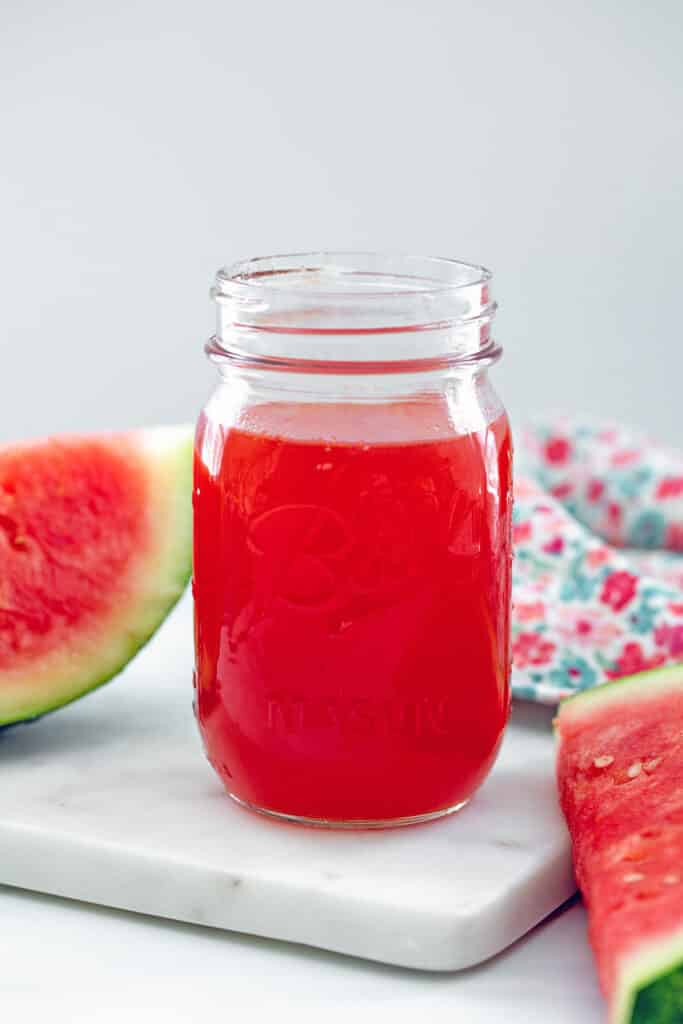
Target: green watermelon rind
[622,691]
[167,451]
[650,982]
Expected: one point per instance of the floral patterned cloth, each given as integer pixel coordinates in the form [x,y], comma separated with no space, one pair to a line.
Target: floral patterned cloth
[598,566]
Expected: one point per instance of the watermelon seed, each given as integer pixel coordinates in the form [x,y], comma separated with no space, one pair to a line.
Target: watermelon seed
[633,876]
[634,770]
[653,763]
[604,761]
[672,879]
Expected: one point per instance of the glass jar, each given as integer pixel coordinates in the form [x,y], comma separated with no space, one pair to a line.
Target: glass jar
[352,504]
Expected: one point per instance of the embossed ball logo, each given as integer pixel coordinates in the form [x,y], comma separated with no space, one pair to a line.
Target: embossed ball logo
[314,558]
[303,547]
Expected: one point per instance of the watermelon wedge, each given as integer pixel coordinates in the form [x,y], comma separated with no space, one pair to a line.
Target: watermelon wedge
[620,776]
[95,549]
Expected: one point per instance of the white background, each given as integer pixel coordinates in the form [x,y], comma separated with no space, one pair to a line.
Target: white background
[143,144]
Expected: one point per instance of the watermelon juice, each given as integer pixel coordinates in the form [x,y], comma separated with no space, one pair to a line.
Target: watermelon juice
[352,587]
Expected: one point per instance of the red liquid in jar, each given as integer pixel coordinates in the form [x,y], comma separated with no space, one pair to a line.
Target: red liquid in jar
[352,587]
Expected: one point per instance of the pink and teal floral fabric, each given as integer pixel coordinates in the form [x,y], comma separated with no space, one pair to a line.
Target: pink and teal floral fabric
[598,566]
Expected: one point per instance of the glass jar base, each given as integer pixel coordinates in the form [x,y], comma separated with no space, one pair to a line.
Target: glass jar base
[350,823]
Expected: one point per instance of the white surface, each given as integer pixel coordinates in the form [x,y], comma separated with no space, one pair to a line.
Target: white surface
[144,144]
[112,802]
[68,963]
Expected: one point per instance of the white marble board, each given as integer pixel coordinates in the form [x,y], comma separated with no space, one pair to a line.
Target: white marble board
[112,802]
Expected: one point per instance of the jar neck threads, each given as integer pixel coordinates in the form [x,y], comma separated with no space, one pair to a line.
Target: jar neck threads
[368,313]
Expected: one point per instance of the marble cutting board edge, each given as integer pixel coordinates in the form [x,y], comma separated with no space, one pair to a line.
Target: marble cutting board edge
[111,802]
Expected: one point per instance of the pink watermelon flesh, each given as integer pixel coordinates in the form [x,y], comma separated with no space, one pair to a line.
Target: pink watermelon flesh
[95,548]
[620,776]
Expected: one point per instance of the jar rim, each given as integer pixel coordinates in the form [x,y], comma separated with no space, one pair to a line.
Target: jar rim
[275,273]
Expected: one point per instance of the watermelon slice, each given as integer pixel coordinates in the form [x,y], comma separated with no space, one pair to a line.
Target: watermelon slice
[620,774]
[95,549]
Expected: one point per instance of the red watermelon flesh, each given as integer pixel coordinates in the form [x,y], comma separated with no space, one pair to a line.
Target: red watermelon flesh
[95,548]
[620,776]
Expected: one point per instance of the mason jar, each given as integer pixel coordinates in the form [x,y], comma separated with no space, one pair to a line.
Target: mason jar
[352,501]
